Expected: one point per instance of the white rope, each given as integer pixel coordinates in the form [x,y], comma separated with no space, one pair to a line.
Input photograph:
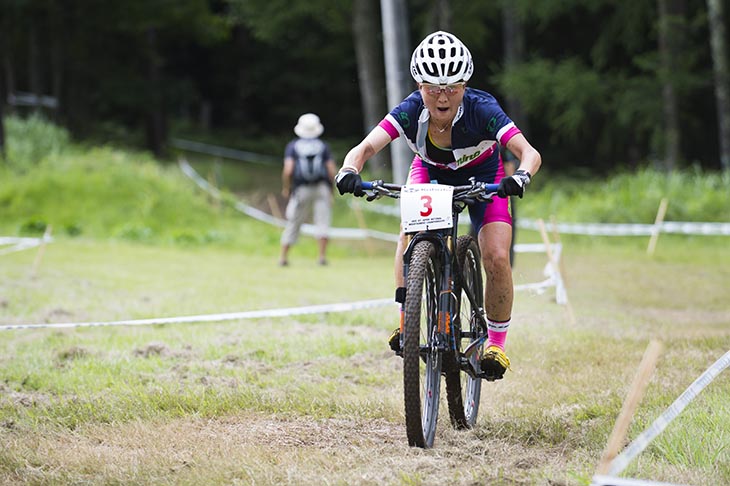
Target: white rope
[21,243]
[613,481]
[205,148]
[554,278]
[308,229]
[656,428]
[621,229]
[597,229]
[591,229]
[292,311]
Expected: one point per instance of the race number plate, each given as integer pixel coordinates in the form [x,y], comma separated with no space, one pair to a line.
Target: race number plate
[426,206]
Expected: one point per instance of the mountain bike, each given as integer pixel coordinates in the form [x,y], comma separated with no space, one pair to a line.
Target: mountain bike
[443,329]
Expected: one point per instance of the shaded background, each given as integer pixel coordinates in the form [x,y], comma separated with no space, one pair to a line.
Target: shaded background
[595,84]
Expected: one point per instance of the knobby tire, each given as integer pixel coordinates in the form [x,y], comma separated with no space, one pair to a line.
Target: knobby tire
[421,366]
[463,391]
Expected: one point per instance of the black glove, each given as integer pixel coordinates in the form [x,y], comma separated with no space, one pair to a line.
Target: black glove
[514,185]
[349,182]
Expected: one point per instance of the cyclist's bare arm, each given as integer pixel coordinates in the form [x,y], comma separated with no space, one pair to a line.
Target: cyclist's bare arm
[374,142]
[529,158]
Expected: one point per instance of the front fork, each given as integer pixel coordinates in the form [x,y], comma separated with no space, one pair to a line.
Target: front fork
[444,336]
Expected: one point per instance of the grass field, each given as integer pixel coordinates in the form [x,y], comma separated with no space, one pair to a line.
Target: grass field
[317,399]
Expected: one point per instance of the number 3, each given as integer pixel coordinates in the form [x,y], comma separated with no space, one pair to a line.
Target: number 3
[427,208]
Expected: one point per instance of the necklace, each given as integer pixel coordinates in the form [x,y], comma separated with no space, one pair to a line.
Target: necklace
[442,129]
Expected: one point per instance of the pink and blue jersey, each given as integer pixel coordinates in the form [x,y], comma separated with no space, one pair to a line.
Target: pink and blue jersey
[478,129]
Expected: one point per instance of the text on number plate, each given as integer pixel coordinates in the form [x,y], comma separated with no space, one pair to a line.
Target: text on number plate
[426,206]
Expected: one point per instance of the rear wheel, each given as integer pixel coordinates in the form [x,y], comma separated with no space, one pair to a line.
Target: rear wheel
[421,359]
[462,390]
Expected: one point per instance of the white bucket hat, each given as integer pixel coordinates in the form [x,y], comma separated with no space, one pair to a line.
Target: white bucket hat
[309,126]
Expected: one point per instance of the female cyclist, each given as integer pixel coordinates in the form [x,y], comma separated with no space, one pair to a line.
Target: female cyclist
[455,133]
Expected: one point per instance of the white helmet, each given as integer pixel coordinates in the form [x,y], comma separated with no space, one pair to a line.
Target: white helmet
[441,58]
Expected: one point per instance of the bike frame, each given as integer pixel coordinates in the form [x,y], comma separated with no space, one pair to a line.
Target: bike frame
[445,240]
[436,284]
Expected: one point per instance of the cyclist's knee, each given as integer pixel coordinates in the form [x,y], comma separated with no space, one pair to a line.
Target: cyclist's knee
[495,260]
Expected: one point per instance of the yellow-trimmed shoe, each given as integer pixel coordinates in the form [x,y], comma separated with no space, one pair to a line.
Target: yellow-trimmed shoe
[394,341]
[494,363]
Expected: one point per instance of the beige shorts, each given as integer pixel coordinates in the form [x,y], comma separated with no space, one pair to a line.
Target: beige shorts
[305,200]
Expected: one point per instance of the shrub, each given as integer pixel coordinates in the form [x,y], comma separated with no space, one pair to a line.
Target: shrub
[31,140]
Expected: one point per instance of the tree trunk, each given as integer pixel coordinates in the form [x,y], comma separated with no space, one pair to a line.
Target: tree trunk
[718,41]
[513,39]
[155,111]
[56,31]
[398,82]
[34,71]
[670,41]
[440,16]
[3,94]
[370,72]
[2,120]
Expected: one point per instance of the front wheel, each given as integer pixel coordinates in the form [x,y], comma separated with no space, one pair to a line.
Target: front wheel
[421,357]
[462,390]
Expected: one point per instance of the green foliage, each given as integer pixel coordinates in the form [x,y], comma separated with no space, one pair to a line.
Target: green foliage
[711,450]
[278,21]
[631,197]
[32,139]
[571,95]
[590,79]
[103,192]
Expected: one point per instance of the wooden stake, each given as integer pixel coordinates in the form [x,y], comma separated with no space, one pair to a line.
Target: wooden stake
[213,183]
[554,225]
[556,236]
[41,250]
[636,392]
[274,205]
[657,225]
[556,268]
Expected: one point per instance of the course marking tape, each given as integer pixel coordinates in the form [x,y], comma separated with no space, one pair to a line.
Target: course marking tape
[656,428]
[308,229]
[554,278]
[591,229]
[21,243]
[291,311]
[597,229]
[625,229]
[613,481]
[205,148]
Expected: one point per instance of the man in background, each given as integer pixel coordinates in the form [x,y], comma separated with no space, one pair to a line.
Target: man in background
[307,178]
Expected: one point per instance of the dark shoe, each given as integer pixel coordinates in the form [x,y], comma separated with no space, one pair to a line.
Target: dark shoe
[322,262]
[494,363]
[283,263]
[394,341]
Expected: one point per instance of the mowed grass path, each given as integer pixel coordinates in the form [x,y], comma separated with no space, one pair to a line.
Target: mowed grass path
[317,399]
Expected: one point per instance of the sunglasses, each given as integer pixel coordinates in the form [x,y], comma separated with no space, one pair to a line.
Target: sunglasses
[436,89]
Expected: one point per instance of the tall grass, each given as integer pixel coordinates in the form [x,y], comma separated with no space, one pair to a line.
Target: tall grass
[631,197]
[108,193]
[317,399]
[31,140]
[105,193]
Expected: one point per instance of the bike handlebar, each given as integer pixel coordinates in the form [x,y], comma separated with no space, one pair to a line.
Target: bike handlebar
[474,190]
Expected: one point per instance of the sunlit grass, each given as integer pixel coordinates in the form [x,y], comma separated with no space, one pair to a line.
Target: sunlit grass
[317,398]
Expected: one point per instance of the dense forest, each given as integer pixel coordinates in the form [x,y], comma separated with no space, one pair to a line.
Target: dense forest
[595,84]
